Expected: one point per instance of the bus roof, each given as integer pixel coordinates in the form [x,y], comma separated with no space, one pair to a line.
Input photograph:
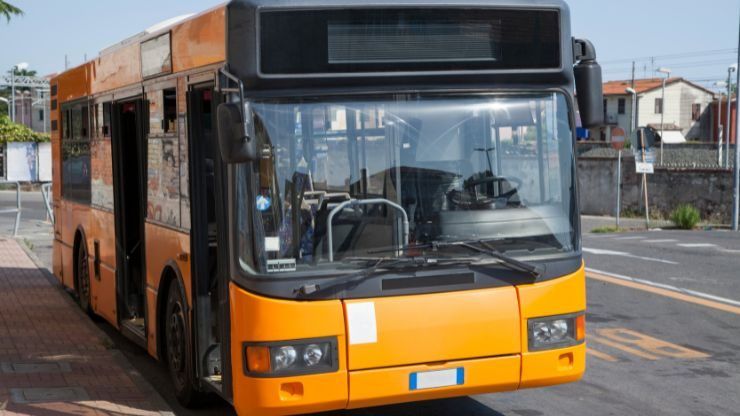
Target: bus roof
[559,4]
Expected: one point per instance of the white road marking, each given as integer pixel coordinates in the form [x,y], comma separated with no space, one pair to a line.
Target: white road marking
[659,241]
[630,238]
[623,254]
[702,295]
[703,245]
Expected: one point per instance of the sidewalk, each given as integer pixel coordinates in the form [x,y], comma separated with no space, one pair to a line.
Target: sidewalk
[53,359]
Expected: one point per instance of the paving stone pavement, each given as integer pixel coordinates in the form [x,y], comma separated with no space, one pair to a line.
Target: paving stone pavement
[53,359]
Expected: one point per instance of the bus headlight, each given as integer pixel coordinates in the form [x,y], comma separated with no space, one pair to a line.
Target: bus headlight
[281,359]
[556,332]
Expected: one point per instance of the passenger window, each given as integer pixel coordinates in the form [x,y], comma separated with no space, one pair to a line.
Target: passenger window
[163,112]
[76,153]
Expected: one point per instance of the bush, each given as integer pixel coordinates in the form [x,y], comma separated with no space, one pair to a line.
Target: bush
[13,132]
[686,217]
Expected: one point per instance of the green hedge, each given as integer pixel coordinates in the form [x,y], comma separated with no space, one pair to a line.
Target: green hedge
[14,132]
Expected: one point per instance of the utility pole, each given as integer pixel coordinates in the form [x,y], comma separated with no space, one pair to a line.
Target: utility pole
[736,190]
[729,110]
[633,75]
[667,73]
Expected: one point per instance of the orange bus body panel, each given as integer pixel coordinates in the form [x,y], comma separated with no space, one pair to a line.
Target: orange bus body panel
[196,42]
[556,297]
[259,319]
[116,69]
[391,385]
[483,331]
[103,287]
[440,327]
[200,42]
[164,248]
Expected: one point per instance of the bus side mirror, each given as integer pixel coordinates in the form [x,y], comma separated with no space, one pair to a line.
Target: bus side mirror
[233,141]
[589,88]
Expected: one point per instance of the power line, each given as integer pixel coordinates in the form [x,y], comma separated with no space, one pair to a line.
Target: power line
[673,56]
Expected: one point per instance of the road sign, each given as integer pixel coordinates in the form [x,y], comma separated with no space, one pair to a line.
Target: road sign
[618,138]
[649,155]
[647,168]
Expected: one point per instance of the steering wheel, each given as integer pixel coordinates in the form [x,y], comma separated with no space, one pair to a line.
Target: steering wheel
[470,185]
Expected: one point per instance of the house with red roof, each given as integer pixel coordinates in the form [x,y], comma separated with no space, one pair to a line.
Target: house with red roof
[687,106]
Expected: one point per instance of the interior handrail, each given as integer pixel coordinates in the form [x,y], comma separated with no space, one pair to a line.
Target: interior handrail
[359,202]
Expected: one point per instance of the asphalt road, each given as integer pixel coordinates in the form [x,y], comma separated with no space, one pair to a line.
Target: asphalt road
[663,334]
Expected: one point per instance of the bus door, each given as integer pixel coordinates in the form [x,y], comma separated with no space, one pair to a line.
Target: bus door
[208,240]
[129,171]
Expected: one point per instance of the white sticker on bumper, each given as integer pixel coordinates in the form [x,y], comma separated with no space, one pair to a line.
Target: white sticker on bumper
[361,323]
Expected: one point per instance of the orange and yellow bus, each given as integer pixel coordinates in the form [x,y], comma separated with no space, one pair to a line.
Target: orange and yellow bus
[310,205]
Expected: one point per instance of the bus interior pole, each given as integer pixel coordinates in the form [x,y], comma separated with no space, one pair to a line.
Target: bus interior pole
[644,183]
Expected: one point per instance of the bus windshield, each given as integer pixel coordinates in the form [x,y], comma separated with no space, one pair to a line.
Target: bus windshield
[341,183]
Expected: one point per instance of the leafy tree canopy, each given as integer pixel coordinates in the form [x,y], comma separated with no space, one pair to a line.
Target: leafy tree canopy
[8,10]
[14,132]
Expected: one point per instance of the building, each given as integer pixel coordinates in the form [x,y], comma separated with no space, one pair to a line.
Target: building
[687,107]
[27,162]
[32,109]
[719,109]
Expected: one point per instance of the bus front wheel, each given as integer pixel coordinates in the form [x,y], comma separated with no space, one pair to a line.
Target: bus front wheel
[179,352]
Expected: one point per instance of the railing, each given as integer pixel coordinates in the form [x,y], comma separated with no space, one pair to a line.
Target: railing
[46,193]
[359,202]
[17,209]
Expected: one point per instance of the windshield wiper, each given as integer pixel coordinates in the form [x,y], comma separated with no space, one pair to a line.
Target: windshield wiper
[354,279]
[517,265]
[535,270]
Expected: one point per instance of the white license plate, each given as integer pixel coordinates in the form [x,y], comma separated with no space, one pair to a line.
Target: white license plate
[436,379]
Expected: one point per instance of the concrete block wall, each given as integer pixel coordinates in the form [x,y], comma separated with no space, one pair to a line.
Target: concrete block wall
[710,191]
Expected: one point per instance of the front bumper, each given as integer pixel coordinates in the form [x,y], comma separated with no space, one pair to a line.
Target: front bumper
[369,388]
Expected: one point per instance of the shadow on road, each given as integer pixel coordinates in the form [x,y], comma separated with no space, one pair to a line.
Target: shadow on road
[463,406]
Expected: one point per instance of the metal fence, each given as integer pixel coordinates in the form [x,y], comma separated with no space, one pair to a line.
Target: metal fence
[18,208]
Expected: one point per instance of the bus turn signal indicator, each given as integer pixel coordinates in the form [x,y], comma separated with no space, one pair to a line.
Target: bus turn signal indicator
[581,328]
[258,359]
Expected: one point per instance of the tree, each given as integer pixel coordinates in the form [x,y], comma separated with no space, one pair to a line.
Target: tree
[8,10]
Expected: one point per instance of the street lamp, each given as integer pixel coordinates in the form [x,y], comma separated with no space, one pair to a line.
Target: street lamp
[667,73]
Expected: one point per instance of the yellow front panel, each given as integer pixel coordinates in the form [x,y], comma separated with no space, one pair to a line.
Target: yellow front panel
[548,368]
[391,385]
[556,297]
[259,319]
[440,327]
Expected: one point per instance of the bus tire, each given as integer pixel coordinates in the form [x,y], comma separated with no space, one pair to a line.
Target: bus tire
[83,279]
[179,354]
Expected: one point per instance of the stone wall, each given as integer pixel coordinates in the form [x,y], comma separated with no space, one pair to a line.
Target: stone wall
[710,191]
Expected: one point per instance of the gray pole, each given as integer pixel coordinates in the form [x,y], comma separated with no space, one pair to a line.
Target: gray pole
[619,187]
[12,94]
[736,193]
[634,113]
[729,110]
[662,121]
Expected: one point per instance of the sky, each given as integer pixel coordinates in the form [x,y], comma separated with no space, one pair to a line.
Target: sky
[697,40]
